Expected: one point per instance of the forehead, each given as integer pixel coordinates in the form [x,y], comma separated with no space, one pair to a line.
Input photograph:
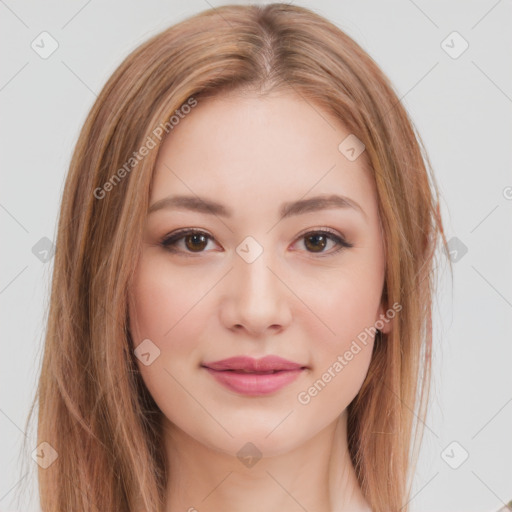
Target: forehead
[249,150]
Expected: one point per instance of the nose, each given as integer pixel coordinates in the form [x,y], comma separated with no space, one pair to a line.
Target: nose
[256,300]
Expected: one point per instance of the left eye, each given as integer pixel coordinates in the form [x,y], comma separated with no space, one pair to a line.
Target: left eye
[196,241]
[318,240]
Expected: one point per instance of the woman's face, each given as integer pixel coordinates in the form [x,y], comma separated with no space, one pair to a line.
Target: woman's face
[270,271]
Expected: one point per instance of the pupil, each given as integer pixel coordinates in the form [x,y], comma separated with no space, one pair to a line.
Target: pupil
[316,238]
[195,239]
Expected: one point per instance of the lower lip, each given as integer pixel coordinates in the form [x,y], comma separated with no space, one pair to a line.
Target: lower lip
[255,384]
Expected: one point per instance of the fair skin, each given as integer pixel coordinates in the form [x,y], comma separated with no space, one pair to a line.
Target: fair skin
[301,301]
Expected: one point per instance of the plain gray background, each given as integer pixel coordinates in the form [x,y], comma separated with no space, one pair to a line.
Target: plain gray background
[461,106]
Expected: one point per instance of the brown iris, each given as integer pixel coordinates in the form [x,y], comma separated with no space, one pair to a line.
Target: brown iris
[196,242]
[316,239]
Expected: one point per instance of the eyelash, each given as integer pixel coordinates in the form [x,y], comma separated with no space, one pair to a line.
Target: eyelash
[169,241]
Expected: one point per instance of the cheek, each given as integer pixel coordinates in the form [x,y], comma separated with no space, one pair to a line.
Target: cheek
[346,306]
[343,346]
[162,309]
[345,303]
[169,307]
[161,300]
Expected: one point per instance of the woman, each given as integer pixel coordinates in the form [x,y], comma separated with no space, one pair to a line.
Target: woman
[241,307]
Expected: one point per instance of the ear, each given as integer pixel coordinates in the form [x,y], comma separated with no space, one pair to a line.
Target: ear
[385,318]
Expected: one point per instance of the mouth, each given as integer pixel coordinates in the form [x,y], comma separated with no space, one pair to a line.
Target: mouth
[248,364]
[254,377]
[250,371]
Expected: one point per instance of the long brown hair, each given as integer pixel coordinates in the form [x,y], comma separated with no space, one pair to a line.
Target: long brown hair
[94,409]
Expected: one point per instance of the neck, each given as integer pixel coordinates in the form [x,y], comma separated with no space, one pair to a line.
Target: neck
[318,475]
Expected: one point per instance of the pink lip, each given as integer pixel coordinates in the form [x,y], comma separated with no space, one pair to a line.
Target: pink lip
[268,374]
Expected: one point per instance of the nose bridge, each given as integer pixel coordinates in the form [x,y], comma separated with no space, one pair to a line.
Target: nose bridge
[254,280]
[257,298]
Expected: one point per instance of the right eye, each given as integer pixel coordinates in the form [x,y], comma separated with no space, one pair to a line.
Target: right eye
[195,241]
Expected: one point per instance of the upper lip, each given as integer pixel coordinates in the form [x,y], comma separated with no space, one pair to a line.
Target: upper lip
[265,364]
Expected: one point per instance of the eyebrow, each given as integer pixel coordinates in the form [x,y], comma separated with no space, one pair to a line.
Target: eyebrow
[203,205]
